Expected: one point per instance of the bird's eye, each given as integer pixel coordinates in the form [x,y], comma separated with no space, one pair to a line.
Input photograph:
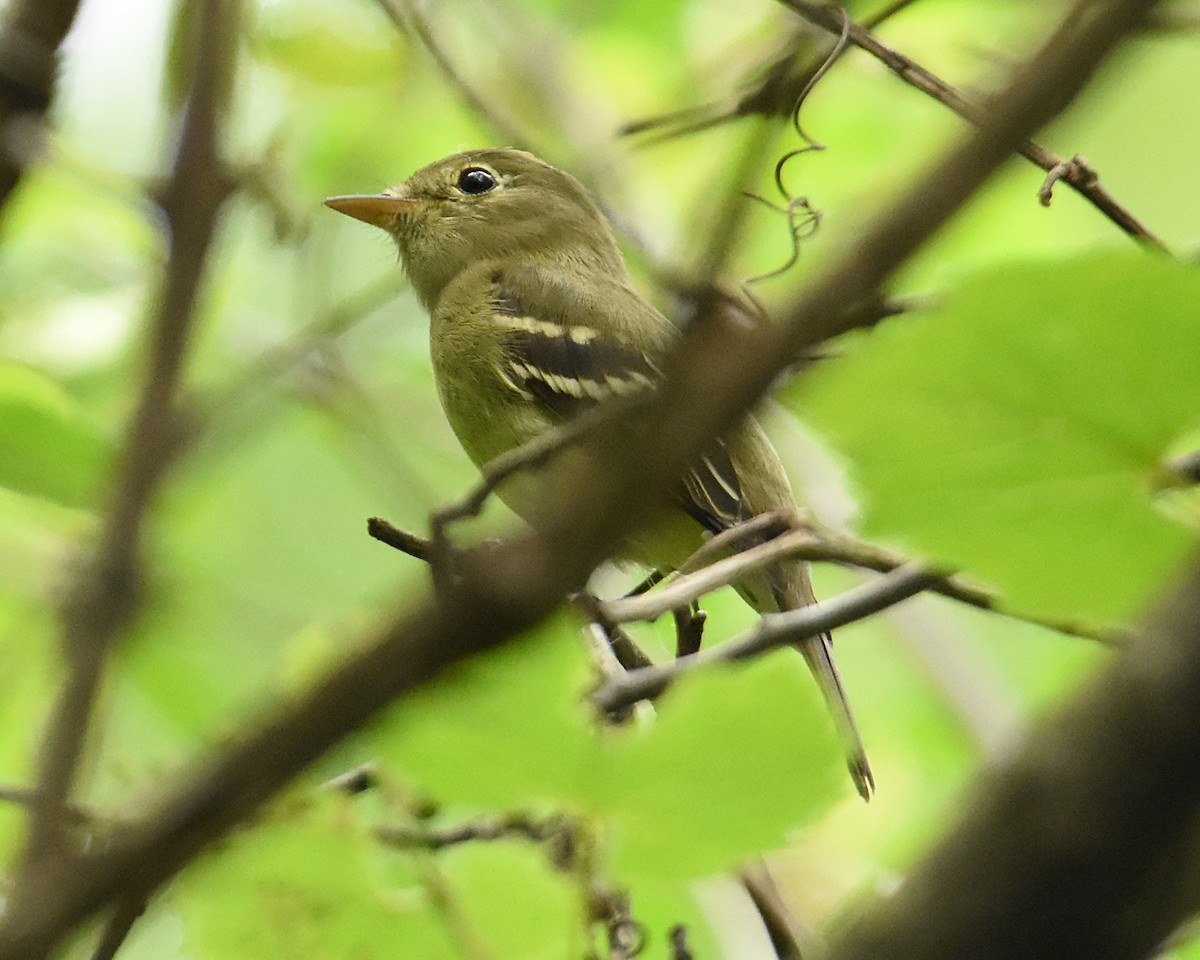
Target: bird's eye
[475,180]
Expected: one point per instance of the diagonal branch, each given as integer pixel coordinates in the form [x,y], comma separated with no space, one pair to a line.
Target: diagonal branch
[707,570]
[408,16]
[773,630]
[811,545]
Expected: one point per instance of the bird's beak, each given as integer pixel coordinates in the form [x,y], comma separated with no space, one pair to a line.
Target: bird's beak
[379,210]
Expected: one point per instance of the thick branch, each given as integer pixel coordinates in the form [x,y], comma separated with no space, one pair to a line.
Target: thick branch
[1083,845]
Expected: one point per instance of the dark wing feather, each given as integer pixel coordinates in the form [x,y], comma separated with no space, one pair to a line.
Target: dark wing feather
[710,491]
[568,368]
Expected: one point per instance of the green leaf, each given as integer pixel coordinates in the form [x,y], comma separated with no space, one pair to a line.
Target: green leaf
[1015,431]
[308,882]
[503,730]
[508,900]
[47,448]
[738,756]
[735,758]
[328,44]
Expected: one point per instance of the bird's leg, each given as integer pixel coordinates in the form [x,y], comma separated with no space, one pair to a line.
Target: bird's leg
[445,562]
[689,629]
[627,653]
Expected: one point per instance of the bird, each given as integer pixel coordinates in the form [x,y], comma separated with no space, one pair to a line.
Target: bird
[534,319]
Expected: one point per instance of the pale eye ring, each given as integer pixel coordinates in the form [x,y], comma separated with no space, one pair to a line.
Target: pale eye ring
[476,180]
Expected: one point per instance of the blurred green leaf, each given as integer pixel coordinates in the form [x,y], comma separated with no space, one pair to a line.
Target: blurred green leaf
[1015,431]
[736,759]
[683,795]
[307,882]
[47,448]
[504,730]
[328,44]
[508,900]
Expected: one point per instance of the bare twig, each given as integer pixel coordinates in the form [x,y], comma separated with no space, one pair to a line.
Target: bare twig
[808,544]
[773,630]
[530,455]
[783,83]
[513,826]
[513,585]
[628,654]
[702,573]
[105,593]
[1075,173]
[415,546]
[408,16]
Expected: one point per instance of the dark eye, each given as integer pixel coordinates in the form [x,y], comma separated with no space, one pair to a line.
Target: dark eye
[476,180]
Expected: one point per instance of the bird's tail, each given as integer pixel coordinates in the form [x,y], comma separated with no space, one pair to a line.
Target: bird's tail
[818,651]
[788,587]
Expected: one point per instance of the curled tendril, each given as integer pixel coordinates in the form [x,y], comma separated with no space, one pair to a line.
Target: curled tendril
[803,218]
[803,222]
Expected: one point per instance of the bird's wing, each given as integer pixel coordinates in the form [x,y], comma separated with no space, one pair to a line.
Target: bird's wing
[569,365]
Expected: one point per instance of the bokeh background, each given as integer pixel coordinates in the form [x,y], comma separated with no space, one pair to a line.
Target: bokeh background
[314,405]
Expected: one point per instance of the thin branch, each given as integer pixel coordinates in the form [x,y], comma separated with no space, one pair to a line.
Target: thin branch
[408,16]
[410,543]
[1076,173]
[104,595]
[513,826]
[619,644]
[773,630]
[783,83]
[788,939]
[627,653]
[702,573]
[532,454]
[277,360]
[808,544]
[511,586]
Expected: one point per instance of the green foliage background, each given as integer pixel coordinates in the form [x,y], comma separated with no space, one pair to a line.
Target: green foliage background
[1012,426]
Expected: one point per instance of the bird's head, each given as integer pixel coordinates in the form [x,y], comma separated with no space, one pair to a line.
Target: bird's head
[485,205]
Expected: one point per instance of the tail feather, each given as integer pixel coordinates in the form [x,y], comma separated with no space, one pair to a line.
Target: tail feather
[788,587]
[818,651]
